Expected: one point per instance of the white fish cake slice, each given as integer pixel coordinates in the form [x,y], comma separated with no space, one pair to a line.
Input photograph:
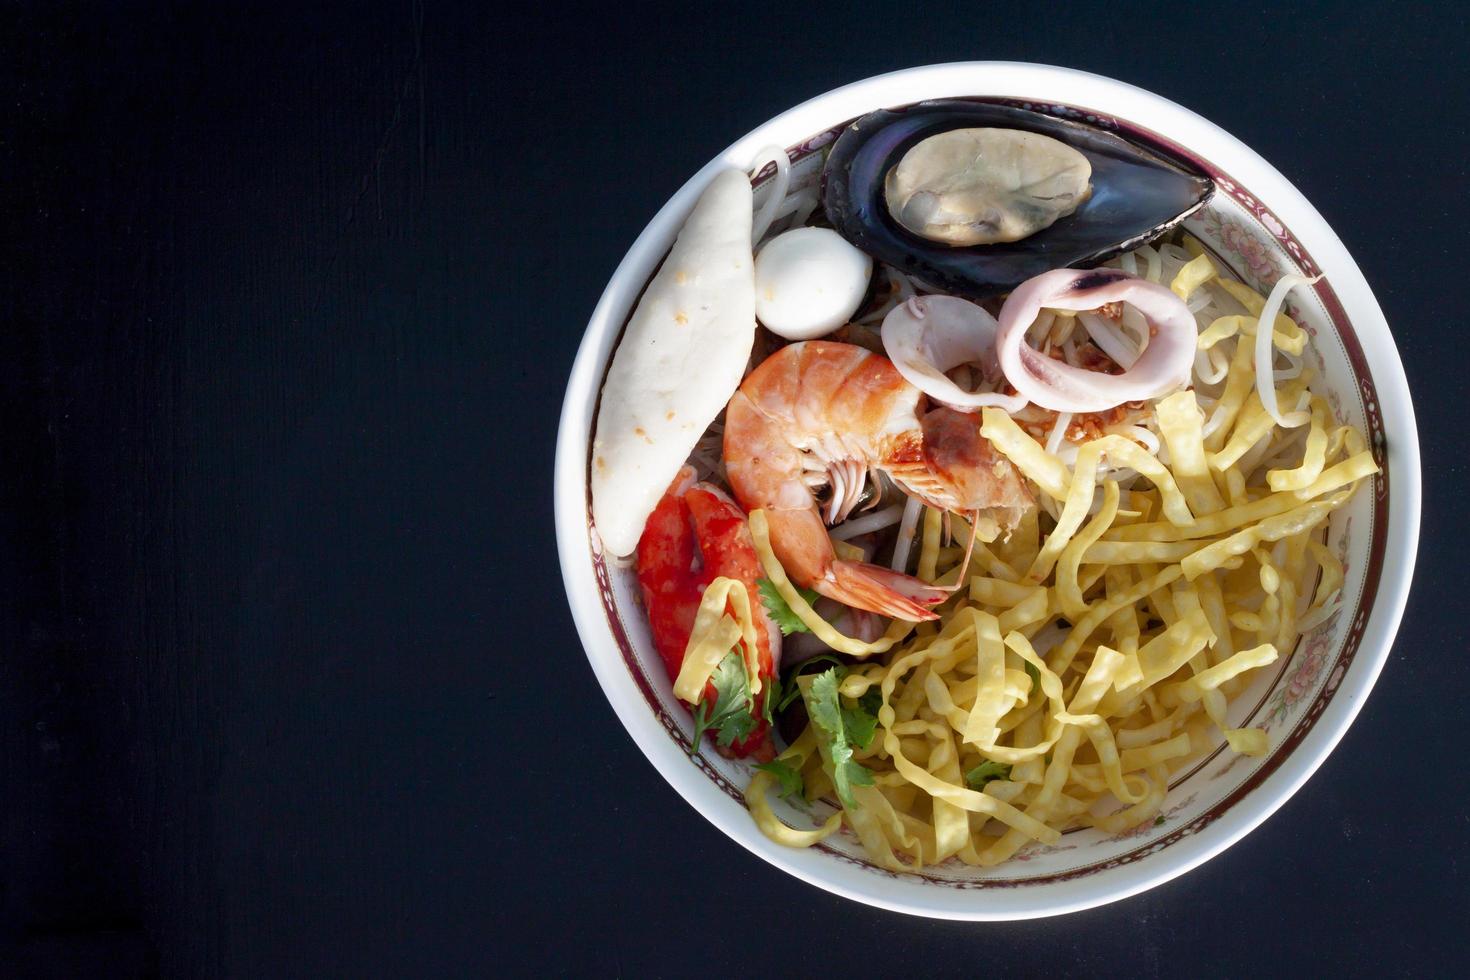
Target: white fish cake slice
[680,360]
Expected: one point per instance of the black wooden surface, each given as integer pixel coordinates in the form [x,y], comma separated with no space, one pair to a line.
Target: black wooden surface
[288,686]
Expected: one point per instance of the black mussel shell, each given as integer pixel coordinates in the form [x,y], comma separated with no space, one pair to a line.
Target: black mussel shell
[1137,195]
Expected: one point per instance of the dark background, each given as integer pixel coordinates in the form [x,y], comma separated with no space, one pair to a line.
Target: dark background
[288,685]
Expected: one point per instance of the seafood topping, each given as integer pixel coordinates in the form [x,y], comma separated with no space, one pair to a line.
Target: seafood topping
[819,407]
[936,226]
[929,335]
[695,535]
[1063,441]
[1164,365]
[680,358]
[978,186]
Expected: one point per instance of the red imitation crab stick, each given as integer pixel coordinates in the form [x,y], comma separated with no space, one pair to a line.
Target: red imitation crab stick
[695,535]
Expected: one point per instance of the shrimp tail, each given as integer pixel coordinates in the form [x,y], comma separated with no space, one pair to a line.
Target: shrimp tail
[881,590]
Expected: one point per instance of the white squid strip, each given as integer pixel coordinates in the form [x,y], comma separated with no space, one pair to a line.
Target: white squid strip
[929,335]
[1164,365]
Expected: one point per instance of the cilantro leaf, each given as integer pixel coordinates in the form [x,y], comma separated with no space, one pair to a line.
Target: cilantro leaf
[860,726]
[779,611]
[824,705]
[791,691]
[730,717]
[790,779]
[985,772]
[862,721]
[737,727]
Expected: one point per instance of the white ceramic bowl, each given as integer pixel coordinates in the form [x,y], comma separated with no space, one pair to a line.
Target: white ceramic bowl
[1261,226]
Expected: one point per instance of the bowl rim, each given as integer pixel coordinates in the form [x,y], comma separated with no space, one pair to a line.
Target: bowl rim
[1045,84]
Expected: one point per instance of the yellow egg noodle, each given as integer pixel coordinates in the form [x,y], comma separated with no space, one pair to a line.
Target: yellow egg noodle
[1089,656]
[715,633]
[1019,540]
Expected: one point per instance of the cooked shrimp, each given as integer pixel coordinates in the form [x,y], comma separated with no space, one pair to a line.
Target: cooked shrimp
[818,413]
[697,534]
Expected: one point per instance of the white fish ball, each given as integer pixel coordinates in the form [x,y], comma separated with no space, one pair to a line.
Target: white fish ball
[808,282]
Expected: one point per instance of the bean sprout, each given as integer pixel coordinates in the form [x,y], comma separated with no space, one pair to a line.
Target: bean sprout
[1138,434]
[1155,264]
[1318,616]
[1198,300]
[1058,432]
[876,521]
[910,523]
[1108,337]
[1293,368]
[1208,368]
[776,196]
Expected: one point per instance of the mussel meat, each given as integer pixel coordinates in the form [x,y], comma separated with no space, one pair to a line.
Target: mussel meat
[981,186]
[1132,196]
